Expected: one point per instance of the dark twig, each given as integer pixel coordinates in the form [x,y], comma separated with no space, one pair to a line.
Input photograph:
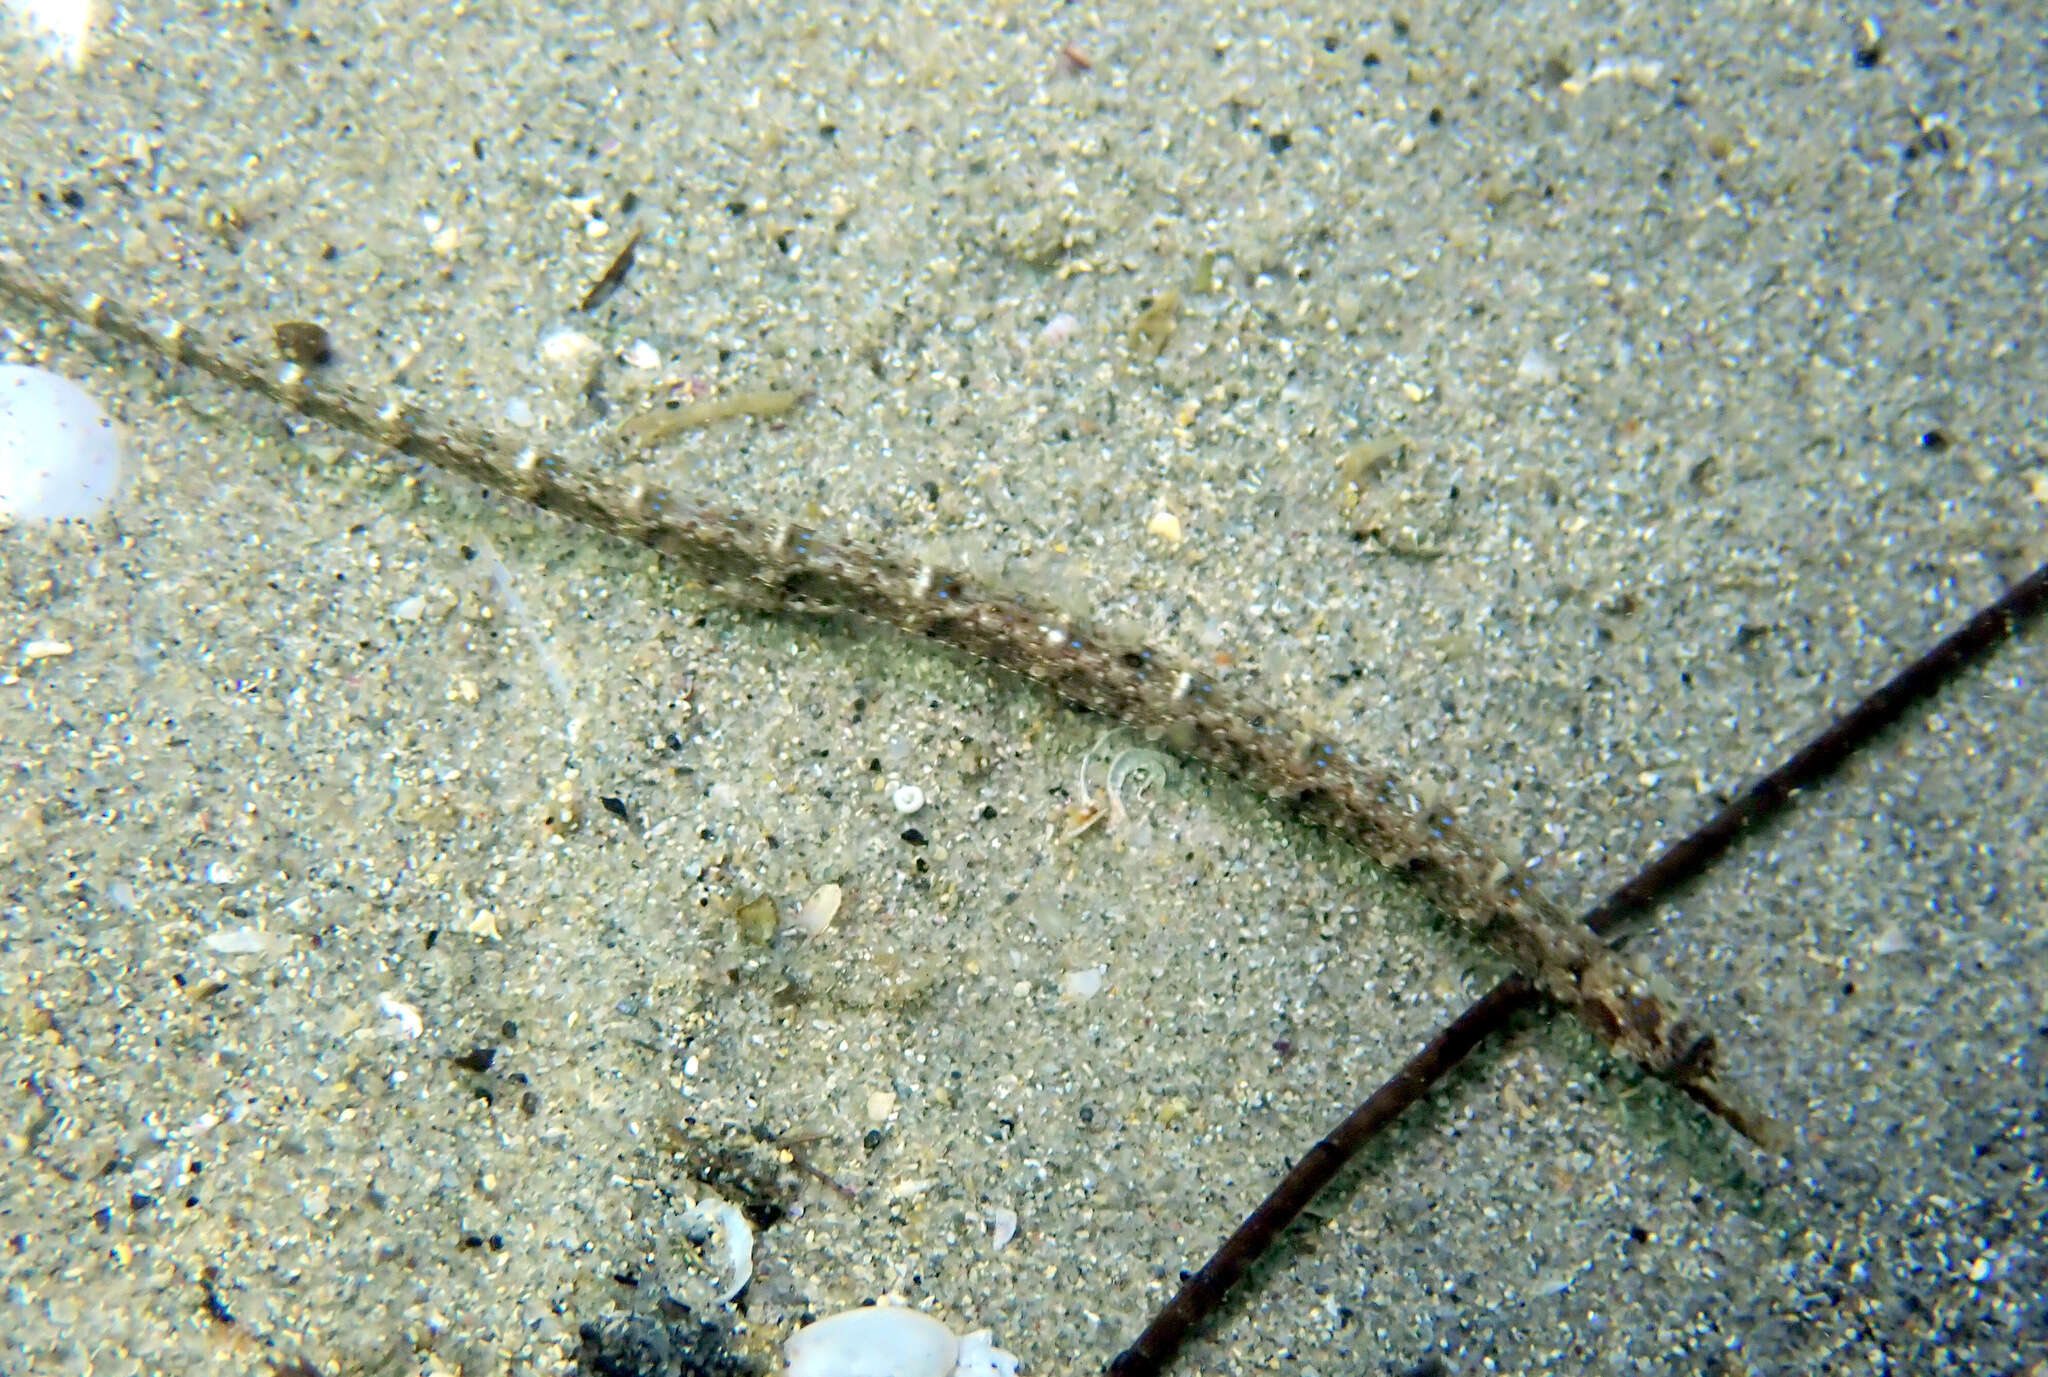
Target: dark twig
[1684,861]
[622,263]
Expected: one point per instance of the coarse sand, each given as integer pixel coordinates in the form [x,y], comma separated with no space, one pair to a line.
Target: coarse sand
[1569,404]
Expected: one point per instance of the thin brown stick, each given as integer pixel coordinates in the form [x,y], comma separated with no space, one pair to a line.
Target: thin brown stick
[1680,863]
[796,569]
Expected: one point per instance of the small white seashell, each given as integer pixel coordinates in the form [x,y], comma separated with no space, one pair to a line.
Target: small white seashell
[44,650]
[1002,1225]
[907,799]
[643,356]
[889,1341]
[880,1341]
[881,1106]
[721,1230]
[60,458]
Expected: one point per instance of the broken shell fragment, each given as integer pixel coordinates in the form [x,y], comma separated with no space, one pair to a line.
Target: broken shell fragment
[720,1229]
[816,913]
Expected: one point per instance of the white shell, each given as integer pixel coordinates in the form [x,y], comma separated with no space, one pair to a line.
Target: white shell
[60,458]
[876,1341]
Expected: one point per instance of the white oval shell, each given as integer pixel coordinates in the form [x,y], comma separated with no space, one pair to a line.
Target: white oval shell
[60,458]
[875,1341]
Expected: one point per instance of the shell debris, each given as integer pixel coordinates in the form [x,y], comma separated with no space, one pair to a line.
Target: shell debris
[1083,984]
[241,941]
[403,1022]
[1165,525]
[816,913]
[725,1240]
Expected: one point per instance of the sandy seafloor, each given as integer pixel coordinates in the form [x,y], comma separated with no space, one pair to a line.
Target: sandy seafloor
[1690,370]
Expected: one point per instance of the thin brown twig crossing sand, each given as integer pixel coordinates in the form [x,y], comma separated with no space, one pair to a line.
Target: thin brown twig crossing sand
[1678,865]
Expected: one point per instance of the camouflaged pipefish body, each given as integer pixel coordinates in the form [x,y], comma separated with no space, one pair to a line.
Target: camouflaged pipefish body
[794,568]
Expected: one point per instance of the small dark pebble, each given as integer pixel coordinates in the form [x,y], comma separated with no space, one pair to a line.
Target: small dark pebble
[914,837]
[304,343]
[477,1059]
[651,1346]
